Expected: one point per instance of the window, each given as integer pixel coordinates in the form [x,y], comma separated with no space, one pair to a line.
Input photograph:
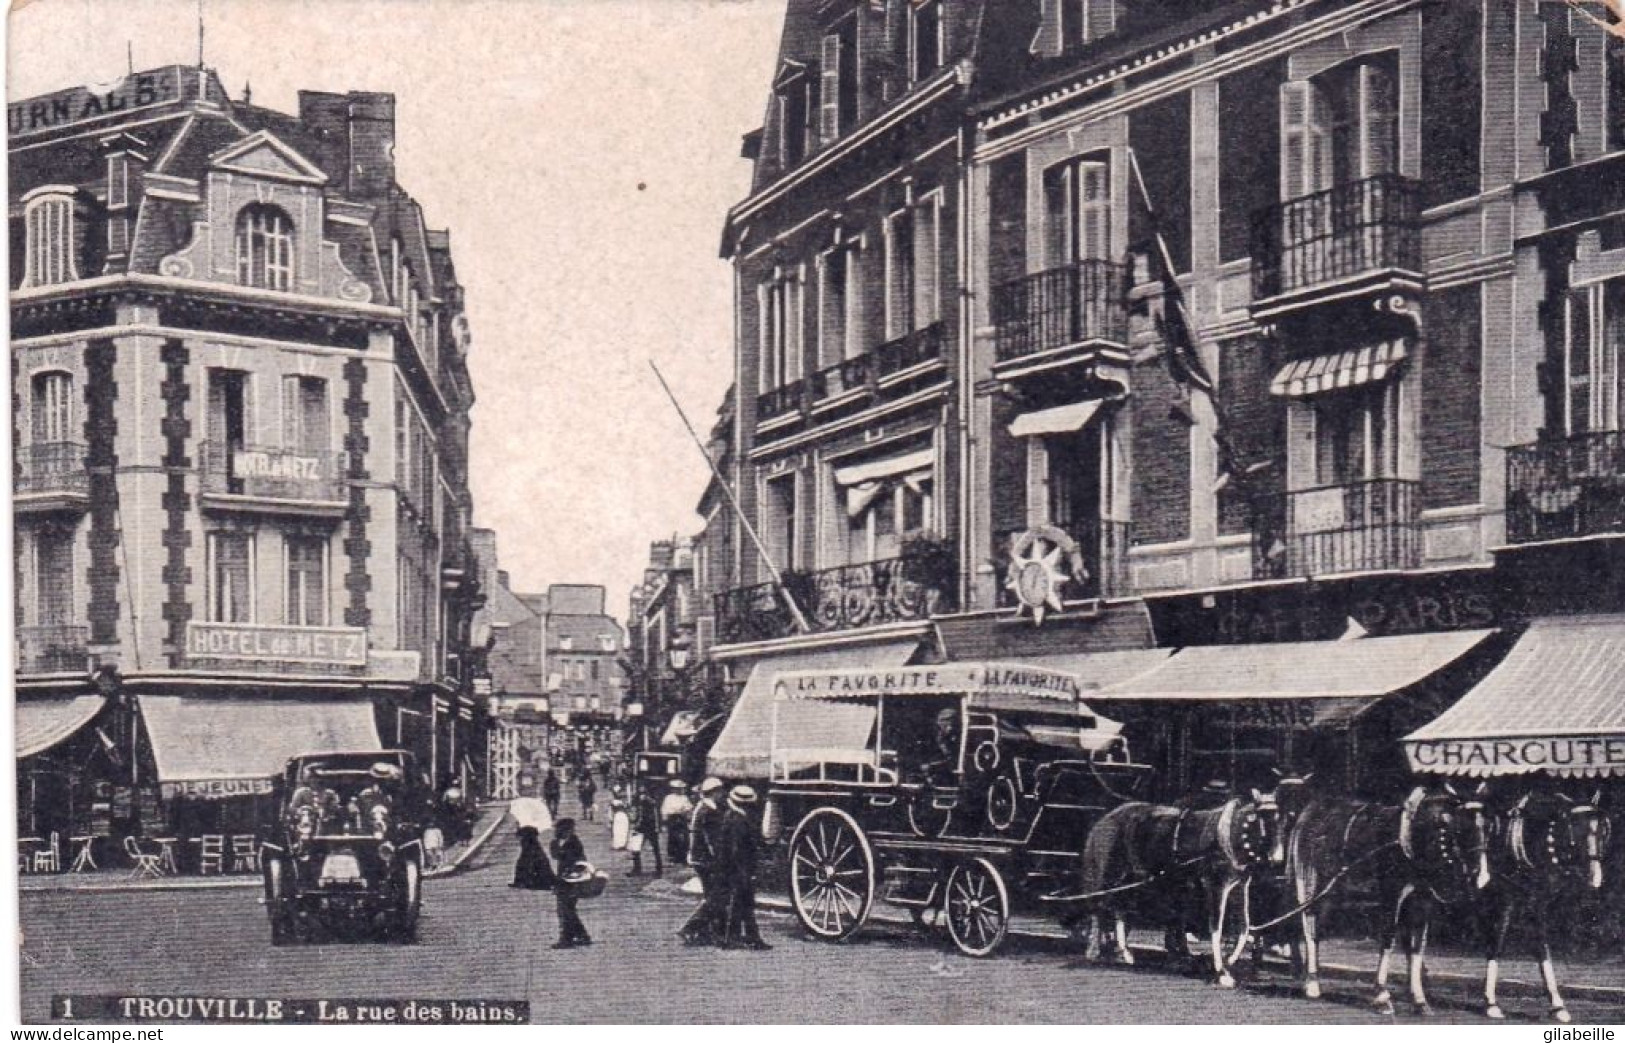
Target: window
[913,299]
[1078,485]
[264,248]
[885,501]
[1341,126]
[52,408]
[781,521]
[925,38]
[1614,77]
[49,223]
[841,302]
[1356,434]
[595,669]
[1085,21]
[403,442]
[1594,350]
[1077,212]
[307,581]
[781,322]
[53,572]
[839,108]
[606,643]
[231,577]
[798,116]
[566,643]
[306,421]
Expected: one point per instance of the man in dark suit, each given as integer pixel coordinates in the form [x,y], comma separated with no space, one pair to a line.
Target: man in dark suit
[705,926]
[738,847]
[567,855]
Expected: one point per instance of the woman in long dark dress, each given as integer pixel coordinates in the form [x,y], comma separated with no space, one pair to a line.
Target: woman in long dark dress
[533,871]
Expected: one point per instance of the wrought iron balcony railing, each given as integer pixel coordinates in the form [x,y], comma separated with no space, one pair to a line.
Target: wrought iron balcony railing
[272,472]
[861,373]
[843,598]
[52,467]
[1073,304]
[853,374]
[781,401]
[1103,548]
[1360,527]
[1349,230]
[911,349]
[53,649]
[1566,487]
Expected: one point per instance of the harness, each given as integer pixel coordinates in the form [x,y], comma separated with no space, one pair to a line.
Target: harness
[1516,830]
[1227,843]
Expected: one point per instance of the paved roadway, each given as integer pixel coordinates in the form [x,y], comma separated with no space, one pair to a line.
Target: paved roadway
[483,939]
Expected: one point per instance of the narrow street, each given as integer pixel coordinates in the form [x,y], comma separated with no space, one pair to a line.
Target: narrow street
[481,939]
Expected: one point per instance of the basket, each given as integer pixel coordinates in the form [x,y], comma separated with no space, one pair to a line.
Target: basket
[584,881]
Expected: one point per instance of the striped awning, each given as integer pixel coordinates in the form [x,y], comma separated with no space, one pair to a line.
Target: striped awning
[1342,369]
[1555,705]
[42,723]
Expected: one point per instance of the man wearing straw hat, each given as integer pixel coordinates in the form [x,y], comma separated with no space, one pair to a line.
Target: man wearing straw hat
[706,925]
[735,871]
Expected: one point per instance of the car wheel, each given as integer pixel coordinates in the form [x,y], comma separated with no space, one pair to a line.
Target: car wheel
[404,925]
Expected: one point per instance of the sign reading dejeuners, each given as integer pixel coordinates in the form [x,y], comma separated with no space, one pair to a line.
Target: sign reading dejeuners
[215,789]
[1561,755]
[254,643]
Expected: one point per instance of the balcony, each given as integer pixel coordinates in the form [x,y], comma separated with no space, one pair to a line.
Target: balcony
[895,590]
[273,479]
[53,649]
[1564,488]
[1354,240]
[1064,316]
[890,371]
[51,476]
[1361,527]
[1102,549]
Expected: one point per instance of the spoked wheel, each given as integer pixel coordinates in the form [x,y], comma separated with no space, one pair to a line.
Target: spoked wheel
[832,874]
[404,925]
[978,908]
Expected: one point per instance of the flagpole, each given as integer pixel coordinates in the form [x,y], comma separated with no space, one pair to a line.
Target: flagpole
[727,490]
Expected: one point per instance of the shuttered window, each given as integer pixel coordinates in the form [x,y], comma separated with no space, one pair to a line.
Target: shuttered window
[1077,212]
[231,577]
[305,415]
[51,238]
[52,408]
[925,38]
[307,581]
[1594,357]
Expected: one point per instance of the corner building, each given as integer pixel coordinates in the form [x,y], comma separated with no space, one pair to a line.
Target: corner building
[240,408]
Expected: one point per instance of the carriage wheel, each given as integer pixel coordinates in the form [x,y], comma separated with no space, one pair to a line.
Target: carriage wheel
[832,874]
[978,908]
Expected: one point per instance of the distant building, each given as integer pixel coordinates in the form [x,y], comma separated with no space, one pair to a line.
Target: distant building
[582,656]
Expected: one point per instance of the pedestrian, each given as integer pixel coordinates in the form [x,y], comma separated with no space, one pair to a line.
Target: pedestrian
[645,831]
[705,926]
[620,824]
[532,871]
[586,789]
[734,873]
[569,856]
[675,811]
[550,793]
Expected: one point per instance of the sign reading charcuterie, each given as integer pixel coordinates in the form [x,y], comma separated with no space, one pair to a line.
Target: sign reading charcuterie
[1594,755]
[249,642]
[215,789]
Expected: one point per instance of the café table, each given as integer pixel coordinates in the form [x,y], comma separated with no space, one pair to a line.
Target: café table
[86,857]
[166,854]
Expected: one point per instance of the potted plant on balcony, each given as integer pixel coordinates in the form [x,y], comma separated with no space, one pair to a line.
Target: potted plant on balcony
[929,561]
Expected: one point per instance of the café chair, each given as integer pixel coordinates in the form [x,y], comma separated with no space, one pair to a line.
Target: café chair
[49,859]
[212,853]
[144,864]
[245,854]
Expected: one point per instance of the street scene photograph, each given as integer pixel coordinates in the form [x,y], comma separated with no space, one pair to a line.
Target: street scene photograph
[807,512]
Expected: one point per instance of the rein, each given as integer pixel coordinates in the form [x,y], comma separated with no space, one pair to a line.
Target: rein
[1057,896]
[1320,895]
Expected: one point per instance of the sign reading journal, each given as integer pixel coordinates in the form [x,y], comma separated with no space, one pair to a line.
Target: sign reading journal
[84,104]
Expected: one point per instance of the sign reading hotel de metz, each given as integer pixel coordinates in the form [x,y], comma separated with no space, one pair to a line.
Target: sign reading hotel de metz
[278,645]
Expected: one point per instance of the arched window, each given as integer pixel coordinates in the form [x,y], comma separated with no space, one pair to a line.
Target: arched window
[48,217]
[264,248]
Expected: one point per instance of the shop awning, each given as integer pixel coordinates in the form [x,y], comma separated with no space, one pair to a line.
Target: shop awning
[215,748]
[742,748]
[680,727]
[1343,369]
[44,722]
[1058,420]
[1555,704]
[1320,682]
[890,467]
[1098,670]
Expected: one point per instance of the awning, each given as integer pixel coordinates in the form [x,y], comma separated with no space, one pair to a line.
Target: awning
[219,747]
[1319,683]
[1343,369]
[742,748]
[44,722]
[680,727]
[1058,420]
[890,467]
[1555,704]
[1098,670]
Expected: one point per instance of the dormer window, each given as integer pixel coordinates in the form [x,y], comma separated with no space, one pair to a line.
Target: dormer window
[925,38]
[1086,21]
[838,111]
[265,248]
[798,115]
[48,217]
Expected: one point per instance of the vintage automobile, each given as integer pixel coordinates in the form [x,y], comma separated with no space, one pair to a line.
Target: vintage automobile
[962,792]
[343,847]
[655,768]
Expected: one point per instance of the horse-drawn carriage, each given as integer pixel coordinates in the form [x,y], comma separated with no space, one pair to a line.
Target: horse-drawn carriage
[961,790]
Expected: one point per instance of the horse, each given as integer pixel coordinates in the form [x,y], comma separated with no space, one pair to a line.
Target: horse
[1548,845]
[1432,849]
[1138,846]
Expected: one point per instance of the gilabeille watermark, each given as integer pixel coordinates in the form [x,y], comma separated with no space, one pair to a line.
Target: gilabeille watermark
[1568,1035]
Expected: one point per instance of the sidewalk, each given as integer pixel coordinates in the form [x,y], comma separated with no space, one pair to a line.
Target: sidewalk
[119,879]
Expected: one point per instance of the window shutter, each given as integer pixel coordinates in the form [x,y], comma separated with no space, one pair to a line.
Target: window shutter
[217,406]
[1379,122]
[292,417]
[1037,482]
[1094,211]
[1579,362]
[1294,138]
[927,243]
[829,108]
[1102,18]
[1058,216]
[795,321]
[315,420]
[764,337]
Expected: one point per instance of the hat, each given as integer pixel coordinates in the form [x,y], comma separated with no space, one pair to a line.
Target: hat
[742,795]
[712,783]
[382,770]
[563,823]
[679,785]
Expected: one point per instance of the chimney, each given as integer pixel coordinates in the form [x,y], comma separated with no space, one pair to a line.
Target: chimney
[356,135]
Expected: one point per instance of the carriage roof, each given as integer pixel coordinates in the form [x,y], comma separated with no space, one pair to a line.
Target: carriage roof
[1000,687]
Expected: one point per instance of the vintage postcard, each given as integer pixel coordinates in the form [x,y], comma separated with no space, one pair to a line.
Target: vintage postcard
[817,511]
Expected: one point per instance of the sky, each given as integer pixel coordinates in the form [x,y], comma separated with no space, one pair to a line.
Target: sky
[583,154]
